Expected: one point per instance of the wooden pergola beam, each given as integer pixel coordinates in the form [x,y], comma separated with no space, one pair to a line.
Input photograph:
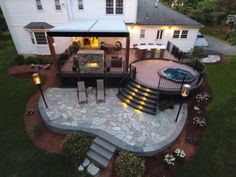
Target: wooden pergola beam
[53,52]
[127,53]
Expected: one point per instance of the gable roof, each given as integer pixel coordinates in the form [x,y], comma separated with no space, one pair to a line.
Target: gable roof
[38,25]
[149,14]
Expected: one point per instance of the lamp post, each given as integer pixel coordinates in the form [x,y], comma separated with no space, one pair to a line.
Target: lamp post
[37,81]
[184,93]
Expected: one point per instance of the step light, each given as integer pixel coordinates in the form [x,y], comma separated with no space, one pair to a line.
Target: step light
[146,94]
[139,86]
[124,105]
[140,107]
[142,102]
[132,93]
[137,111]
[144,98]
[130,97]
[148,90]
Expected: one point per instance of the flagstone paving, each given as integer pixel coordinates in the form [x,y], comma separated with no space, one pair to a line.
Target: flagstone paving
[123,123]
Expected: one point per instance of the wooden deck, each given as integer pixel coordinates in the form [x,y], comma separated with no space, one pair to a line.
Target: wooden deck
[147,74]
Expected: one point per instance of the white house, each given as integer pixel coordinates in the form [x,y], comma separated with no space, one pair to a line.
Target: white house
[147,22]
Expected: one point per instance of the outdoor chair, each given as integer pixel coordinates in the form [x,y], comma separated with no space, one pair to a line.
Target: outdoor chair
[100,90]
[82,94]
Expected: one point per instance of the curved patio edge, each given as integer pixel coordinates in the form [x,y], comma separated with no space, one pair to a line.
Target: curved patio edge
[121,145]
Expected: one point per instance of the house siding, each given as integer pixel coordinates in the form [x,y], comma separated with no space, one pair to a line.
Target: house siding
[20,13]
[151,32]
[94,9]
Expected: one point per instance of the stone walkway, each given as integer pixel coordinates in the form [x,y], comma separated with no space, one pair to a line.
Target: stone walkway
[123,123]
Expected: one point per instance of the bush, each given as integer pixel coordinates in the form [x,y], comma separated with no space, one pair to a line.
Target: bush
[198,52]
[232,38]
[169,160]
[129,165]
[30,60]
[38,60]
[196,64]
[19,60]
[75,147]
[179,153]
[38,129]
[166,104]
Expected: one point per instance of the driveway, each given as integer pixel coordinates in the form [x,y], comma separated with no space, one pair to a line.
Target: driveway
[220,46]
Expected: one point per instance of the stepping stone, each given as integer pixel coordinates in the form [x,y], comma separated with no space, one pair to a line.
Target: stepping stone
[86,162]
[81,168]
[92,169]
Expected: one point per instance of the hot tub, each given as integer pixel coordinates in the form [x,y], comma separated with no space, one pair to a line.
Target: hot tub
[177,75]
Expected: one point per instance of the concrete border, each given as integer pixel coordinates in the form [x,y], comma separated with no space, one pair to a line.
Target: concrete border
[120,144]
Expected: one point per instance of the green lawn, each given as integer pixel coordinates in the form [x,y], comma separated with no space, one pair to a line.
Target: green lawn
[19,157]
[217,153]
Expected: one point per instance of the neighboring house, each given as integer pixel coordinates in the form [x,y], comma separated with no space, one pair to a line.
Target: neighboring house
[29,20]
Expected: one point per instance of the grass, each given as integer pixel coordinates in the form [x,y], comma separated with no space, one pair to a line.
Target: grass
[18,156]
[217,153]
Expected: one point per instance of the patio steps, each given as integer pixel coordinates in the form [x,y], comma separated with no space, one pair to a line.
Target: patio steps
[139,97]
[101,152]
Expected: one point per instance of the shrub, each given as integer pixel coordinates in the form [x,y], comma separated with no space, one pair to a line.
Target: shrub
[179,153]
[199,121]
[196,64]
[38,129]
[232,38]
[30,60]
[19,60]
[129,165]
[75,147]
[198,52]
[166,104]
[169,159]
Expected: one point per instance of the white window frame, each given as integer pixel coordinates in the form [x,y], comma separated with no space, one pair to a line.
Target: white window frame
[176,36]
[39,5]
[184,34]
[142,33]
[57,4]
[37,42]
[80,5]
[109,6]
[119,7]
[32,37]
[159,34]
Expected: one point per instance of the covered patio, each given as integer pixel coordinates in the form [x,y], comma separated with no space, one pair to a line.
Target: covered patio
[87,32]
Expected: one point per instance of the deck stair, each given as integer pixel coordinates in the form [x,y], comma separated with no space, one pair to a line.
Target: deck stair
[140,97]
[101,152]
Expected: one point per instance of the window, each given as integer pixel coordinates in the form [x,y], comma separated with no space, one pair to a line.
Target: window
[57,5]
[142,33]
[119,6]
[80,4]
[32,38]
[109,7]
[39,5]
[159,34]
[176,34]
[184,34]
[40,38]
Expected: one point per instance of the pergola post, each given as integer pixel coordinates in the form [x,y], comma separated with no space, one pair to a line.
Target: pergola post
[127,53]
[52,51]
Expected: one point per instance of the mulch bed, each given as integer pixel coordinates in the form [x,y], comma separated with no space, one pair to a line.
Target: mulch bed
[154,167]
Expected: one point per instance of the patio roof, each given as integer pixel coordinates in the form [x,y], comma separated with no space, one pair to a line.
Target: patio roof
[91,28]
[38,26]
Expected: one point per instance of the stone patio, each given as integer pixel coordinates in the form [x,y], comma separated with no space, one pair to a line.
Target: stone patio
[110,120]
